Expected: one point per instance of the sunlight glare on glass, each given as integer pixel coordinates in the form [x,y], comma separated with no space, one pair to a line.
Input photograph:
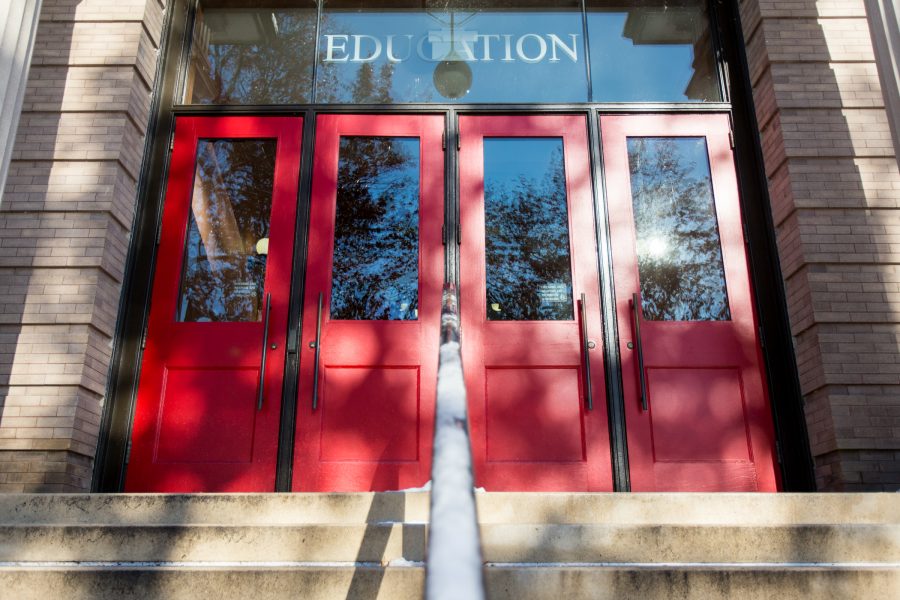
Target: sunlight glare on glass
[657,247]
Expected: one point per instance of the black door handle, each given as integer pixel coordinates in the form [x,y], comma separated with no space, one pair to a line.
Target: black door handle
[585,349]
[636,312]
[318,346]
[260,393]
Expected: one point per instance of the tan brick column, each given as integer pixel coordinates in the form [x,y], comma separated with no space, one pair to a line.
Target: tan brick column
[64,228]
[835,189]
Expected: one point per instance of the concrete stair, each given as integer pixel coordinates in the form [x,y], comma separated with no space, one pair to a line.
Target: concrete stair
[572,546]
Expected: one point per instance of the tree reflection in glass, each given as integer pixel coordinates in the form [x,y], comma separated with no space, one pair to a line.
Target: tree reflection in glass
[245,55]
[375,273]
[679,257]
[227,238]
[526,230]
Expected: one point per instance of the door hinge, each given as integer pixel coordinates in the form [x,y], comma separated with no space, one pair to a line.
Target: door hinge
[444,141]
[128,452]
[731,139]
[444,235]
[172,143]
[458,234]
[144,336]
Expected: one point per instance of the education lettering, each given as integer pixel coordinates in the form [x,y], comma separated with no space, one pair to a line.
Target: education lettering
[436,46]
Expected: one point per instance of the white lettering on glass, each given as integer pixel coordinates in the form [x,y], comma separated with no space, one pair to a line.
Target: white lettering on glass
[486,55]
[507,47]
[520,48]
[444,44]
[331,45]
[390,48]
[556,43]
[358,44]
[468,46]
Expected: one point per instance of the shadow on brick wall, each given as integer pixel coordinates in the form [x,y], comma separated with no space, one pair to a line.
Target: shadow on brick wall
[56,276]
[834,188]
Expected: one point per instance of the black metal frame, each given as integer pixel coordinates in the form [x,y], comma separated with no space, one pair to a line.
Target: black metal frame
[792,438]
[134,302]
[112,452]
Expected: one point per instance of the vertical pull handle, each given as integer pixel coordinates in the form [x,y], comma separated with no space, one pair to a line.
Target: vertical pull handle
[260,392]
[636,312]
[318,346]
[585,351]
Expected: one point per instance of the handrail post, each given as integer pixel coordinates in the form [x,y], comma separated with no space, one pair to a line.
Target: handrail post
[454,567]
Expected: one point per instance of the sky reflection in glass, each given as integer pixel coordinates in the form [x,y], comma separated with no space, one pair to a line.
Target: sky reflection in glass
[375,274]
[645,51]
[679,256]
[224,261]
[650,52]
[528,269]
[503,69]
[251,55]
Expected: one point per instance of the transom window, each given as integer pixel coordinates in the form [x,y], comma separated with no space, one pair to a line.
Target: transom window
[473,51]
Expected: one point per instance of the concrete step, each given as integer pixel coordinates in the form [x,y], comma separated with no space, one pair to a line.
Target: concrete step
[412,507]
[372,545]
[383,543]
[504,582]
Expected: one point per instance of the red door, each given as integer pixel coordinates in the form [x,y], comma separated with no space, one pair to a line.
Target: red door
[529,293]
[371,307]
[207,410]
[697,412]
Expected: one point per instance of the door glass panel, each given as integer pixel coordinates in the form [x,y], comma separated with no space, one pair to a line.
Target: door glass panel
[651,51]
[243,54]
[528,268]
[679,254]
[375,273]
[228,231]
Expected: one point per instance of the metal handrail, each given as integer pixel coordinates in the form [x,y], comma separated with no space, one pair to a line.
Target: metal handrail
[454,567]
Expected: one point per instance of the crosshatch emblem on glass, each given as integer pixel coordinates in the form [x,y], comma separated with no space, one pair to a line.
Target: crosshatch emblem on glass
[678,247]
[375,274]
[228,231]
[528,266]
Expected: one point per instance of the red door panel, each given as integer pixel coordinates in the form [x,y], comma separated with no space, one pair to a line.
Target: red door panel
[704,422]
[224,257]
[527,254]
[366,407]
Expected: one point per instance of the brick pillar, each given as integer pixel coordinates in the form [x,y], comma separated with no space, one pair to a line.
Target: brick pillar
[64,228]
[835,190]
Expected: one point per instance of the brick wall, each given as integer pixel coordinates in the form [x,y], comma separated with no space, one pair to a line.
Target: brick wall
[835,187]
[65,219]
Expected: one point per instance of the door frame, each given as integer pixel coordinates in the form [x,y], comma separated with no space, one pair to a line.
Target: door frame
[793,442]
[163,324]
[451,236]
[113,449]
[333,127]
[736,348]
[580,199]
